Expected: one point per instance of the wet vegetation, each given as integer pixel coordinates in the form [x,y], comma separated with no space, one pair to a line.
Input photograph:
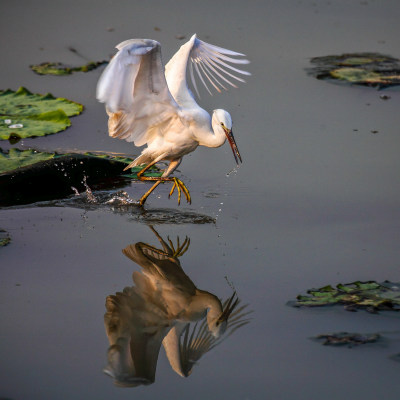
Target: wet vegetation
[29,176]
[371,296]
[24,114]
[368,69]
[347,339]
[58,69]
[4,238]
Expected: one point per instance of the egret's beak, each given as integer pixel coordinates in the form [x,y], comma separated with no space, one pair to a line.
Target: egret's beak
[230,306]
[232,142]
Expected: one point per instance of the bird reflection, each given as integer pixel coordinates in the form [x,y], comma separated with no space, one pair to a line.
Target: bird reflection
[164,307]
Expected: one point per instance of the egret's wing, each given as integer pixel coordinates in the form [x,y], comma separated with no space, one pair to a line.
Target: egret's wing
[195,340]
[162,267]
[135,91]
[213,64]
[135,334]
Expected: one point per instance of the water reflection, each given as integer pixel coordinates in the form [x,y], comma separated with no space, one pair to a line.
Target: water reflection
[164,307]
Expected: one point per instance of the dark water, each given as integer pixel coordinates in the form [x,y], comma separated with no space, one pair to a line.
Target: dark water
[315,202]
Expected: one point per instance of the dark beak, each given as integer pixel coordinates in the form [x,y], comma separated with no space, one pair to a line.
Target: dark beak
[229,306]
[234,147]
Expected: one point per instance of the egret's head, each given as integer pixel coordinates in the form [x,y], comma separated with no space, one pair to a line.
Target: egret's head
[219,324]
[218,328]
[223,119]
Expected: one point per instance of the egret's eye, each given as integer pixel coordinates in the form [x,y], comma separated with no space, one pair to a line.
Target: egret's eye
[222,124]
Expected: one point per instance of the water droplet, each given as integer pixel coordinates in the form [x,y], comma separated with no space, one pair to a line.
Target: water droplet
[89,194]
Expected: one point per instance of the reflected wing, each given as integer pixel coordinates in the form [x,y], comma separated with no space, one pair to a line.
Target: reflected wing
[164,268]
[186,343]
[135,91]
[135,335]
[213,63]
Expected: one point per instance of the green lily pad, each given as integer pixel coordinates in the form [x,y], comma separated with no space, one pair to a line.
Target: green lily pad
[369,69]
[15,159]
[30,176]
[371,296]
[153,171]
[56,68]
[348,339]
[24,114]
[4,238]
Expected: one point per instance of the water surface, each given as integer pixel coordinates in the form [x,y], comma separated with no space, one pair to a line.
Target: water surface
[315,202]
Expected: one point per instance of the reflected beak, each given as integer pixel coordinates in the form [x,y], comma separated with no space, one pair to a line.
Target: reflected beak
[232,142]
[229,307]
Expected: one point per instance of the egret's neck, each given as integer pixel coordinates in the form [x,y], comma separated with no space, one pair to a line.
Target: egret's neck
[212,138]
[202,302]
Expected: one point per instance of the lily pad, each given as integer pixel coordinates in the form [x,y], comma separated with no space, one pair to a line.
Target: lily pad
[4,238]
[370,295]
[369,69]
[30,176]
[24,114]
[15,159]
[56,68]
[348,339]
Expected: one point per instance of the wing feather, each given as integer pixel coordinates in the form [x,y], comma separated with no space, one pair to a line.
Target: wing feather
[135,92]
[212,61]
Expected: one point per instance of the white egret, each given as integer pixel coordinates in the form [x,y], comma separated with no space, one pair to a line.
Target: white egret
[158,310]
[147,105]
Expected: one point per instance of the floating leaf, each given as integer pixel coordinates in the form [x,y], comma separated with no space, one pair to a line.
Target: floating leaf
[29,176]
[55,68]
[4,238]
[370,69]
[346,338]
[23,114]
[371,296]
[15,159]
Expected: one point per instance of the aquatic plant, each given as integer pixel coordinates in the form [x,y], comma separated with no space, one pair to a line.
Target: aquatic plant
[56,68]
[369,69]
[24,114]
[371,296]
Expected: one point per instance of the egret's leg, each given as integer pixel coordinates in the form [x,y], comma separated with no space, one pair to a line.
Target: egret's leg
[146,195]
[177,183]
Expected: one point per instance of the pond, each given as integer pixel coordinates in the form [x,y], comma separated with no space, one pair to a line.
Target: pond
[315,202]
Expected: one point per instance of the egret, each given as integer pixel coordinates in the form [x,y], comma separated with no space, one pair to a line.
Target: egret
[149,105]
[157,311]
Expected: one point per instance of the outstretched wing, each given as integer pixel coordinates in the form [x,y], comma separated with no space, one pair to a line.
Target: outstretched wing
[186,343]
[214,64]
[211,63]
[135,92]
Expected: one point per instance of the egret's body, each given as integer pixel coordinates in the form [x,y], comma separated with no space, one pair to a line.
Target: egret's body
[157,311]
[149,105]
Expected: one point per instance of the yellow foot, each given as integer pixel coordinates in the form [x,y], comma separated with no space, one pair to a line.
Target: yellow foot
[181,187]
[180,248]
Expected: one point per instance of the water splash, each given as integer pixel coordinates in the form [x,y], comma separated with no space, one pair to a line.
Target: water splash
[91,198]
[233,171]
[121,198]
